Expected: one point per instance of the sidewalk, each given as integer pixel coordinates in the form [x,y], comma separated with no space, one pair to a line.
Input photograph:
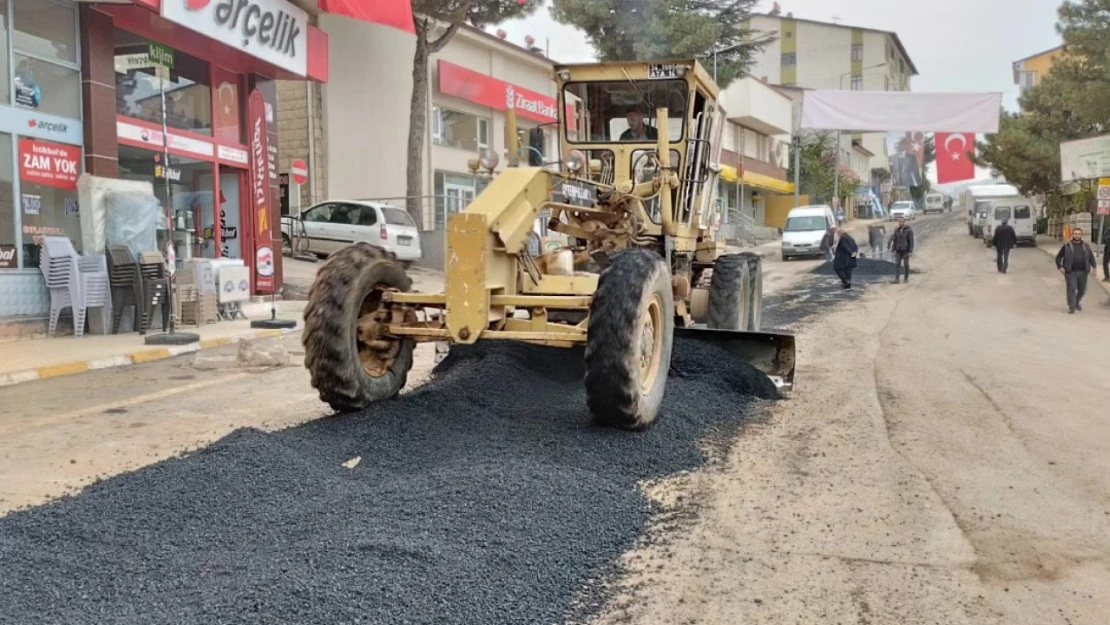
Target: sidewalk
[41,359]
[1054,247]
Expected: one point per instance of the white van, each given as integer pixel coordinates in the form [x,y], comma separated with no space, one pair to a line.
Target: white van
[805,227]
[934,203]
[1021,215]
[976,200]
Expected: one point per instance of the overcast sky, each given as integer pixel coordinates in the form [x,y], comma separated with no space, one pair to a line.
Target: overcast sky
[957,45]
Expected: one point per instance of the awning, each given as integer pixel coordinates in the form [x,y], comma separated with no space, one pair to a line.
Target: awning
[757,181]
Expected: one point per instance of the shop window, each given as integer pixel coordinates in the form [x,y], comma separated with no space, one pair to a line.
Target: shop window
[138,92]
[48,194]
[5,85]
[459,130]
[189,192]
[9,238]
[453,193]
[44,52]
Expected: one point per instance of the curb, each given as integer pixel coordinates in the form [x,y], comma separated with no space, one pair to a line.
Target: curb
[133,358]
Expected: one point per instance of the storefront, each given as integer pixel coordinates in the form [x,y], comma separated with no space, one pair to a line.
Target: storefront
[41,137]
[83,95]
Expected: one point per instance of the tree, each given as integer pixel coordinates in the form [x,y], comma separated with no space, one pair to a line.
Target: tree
[436,22]
[818,161]
[648,30]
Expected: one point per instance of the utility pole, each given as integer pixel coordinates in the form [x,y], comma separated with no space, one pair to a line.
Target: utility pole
[797,169]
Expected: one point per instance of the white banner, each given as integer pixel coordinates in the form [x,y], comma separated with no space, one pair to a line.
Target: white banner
[1085,159]
[884,111]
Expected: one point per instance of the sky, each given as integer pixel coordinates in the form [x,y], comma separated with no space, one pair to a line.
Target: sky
[957,45]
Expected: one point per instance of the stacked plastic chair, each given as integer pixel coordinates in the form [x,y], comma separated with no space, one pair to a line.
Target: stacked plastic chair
[152,269]
[58,264]
[96,288]
[127,286]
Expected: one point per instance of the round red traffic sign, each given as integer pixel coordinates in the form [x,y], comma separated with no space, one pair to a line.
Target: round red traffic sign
[299,171]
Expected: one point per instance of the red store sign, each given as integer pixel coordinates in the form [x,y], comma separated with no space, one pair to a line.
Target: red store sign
[495,94]
[51,164]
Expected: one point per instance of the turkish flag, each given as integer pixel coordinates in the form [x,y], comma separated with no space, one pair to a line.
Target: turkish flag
[393,13]
[953,164]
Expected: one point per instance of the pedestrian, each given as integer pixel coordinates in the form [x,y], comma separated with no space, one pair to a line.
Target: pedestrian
[1004,240]
[902,244]
[1106,255]
[828,244]
[1076,260]
[844,261]
[876,235]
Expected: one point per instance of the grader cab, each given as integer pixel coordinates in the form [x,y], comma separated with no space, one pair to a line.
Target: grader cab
[634,198]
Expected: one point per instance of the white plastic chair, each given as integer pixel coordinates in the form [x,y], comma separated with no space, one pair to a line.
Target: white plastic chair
[76,282]
[59,267]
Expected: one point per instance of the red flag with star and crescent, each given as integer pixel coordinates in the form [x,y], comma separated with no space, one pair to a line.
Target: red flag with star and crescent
[953,164]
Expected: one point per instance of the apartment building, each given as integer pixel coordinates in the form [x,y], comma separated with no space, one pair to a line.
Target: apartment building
[822,55]
[1030,71]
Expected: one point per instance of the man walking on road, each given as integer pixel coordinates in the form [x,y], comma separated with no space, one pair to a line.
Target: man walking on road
[1106,255]
[1004,240]
[901,243]
[1076,260]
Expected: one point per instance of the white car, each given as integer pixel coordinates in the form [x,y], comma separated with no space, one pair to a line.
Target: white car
[330,226]
[903,209]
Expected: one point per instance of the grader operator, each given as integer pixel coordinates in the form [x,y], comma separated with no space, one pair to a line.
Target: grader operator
[634,194]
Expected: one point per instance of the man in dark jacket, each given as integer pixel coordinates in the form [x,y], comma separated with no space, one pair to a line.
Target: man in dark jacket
[1106,255]
[901,243]
[844,258]
[1076,261]
[1004,240]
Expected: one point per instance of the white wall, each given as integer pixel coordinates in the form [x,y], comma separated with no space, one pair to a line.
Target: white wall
[767,64]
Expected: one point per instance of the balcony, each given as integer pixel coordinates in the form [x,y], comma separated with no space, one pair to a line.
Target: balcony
[753,104]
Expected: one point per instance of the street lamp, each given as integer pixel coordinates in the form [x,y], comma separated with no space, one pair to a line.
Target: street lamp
[836,173]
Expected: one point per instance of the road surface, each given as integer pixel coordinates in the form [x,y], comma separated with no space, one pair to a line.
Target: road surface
[945,457]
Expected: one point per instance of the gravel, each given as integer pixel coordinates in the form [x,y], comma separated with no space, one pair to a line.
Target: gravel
[485,496]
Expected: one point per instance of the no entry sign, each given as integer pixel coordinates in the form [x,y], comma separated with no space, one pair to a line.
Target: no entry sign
[51,164]
[298,170]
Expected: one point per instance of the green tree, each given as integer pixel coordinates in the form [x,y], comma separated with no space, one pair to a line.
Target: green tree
[436,22]
[818,161]
[648,30]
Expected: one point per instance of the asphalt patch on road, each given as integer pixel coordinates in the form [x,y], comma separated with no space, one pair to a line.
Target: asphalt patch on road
[868,269]
[485,496]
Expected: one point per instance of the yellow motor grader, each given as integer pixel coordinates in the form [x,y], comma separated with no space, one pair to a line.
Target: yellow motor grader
[633,197]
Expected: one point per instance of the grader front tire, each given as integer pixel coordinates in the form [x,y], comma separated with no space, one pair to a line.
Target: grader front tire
[628,348]
[349,369]
[736,293]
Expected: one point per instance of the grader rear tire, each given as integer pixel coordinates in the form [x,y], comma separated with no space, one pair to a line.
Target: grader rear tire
[348,373]
[628,348]
[731,294]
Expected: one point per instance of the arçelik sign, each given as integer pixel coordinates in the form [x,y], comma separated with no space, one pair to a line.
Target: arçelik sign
[272,30]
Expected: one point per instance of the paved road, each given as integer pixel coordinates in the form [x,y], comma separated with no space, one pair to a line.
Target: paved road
[945,458]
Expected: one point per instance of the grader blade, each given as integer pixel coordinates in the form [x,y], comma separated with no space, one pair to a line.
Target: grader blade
[770,352]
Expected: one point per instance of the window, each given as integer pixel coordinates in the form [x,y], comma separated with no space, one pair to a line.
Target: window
[44,53]
[612,108]
[790,59]
[397,216]
[453,193]
[857,83]
[138,92]
[48,204]
[1023,212]
[1002,213]
[319,214]
[857,52]
[459,130]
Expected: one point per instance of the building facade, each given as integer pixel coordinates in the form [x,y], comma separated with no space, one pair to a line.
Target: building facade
[359,128]
[755,152]
[86,96]
[821,55]
[1030,71]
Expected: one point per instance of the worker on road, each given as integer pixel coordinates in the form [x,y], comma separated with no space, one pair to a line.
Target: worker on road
[844,258]
[828,244]
[902,244]
[1004,240]
[1076,260]
[1106,255]
[876,235]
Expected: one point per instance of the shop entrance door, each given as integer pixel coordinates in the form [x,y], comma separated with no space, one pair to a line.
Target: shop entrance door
[228,201]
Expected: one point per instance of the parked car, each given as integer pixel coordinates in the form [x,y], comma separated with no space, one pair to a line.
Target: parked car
[805,227]
[330,226]
[904,209]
